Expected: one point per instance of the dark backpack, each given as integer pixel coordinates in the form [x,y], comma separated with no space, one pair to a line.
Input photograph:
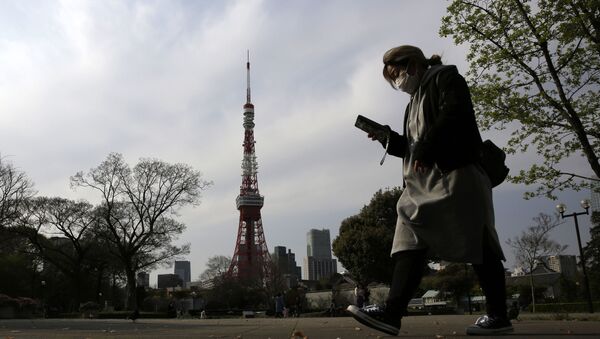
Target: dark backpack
[491,159]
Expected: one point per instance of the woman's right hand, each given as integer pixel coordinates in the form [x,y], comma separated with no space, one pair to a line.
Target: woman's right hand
[374,137]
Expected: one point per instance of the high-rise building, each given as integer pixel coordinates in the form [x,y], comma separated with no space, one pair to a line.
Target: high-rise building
[143,279]
[183,270]
[565,264]
[318,268]
[318,244]
[319,263]
[285,262]
[251,258]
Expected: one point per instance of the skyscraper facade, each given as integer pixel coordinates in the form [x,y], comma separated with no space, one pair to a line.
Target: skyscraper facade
[318,268]
[183,270]
[285,262]
[319,263]
[318,244]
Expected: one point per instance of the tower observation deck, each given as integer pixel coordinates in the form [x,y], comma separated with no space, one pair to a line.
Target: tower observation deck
[251,259]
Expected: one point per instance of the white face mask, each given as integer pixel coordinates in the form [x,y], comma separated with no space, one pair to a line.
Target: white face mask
[407,83]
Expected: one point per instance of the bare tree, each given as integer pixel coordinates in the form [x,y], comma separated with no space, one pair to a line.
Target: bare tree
[137,209]
[534,244]
[61,232]
[216,267]
[15,189]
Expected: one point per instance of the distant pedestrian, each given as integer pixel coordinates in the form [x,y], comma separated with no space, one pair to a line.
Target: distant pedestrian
[513,311]
[446,209]
[134,315]
[279,305]
[359,293]
[171,311]
[332,309]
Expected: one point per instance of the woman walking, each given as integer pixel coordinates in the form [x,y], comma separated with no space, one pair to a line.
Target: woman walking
[445,210]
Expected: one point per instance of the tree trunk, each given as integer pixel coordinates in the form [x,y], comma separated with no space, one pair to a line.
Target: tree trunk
[77,283]
[131,299]
[532,292]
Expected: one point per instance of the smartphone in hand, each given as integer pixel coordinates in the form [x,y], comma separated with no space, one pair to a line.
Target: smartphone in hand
[380,132]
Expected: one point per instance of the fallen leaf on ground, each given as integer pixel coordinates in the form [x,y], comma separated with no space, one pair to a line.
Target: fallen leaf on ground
[297,334]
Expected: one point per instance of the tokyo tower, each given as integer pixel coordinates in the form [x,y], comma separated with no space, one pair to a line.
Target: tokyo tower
[251,259]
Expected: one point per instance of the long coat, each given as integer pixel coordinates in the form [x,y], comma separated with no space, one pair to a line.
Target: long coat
[449,209]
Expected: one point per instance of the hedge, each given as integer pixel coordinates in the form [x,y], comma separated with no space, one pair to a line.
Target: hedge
[579,307]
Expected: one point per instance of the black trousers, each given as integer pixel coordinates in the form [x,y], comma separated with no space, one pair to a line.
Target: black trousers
[410,267]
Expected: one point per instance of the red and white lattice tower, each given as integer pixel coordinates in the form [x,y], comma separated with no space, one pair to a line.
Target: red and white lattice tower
[251,259]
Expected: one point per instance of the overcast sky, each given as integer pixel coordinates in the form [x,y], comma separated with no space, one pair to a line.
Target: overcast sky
[167,80]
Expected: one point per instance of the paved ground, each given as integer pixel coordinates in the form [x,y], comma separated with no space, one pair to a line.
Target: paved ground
[447,326]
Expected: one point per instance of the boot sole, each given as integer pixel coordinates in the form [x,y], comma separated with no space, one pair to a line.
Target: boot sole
[488,331]
[372,322]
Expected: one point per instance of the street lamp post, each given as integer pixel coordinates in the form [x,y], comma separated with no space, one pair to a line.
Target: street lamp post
[561,208]
[43,282]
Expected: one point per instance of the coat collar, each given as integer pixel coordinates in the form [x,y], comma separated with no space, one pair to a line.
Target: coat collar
[433,71]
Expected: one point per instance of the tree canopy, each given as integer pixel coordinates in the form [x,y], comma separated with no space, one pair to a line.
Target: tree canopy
[15,189]
[216,267]
[365,240]
[60,230]
[456,278]
[137,210]
[535,70]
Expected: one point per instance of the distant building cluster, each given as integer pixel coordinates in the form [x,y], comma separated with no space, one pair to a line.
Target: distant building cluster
[318,264]
[565,264]
[547,273]
[181,277]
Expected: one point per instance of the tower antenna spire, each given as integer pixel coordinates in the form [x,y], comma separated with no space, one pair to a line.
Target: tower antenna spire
[248,77]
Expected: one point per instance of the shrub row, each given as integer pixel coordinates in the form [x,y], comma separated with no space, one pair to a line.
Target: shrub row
[579,307]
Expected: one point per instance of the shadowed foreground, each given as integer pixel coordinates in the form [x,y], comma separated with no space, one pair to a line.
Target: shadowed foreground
[446,326]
